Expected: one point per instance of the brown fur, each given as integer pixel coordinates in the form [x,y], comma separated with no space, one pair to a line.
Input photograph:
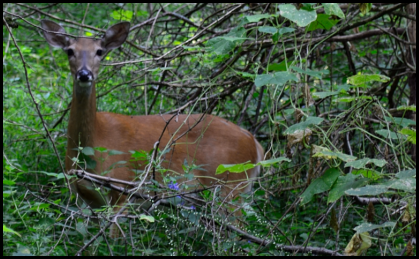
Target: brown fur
[212,142]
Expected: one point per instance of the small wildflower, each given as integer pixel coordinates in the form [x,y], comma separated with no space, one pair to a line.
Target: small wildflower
[192,208]
[248,241]
[173,186]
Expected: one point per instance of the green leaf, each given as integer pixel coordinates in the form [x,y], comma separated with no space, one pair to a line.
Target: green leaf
[268,29]
[122,15]
[368,173]
[319,185]
[343,184]
[309,72]
[365,7]
[220,46]
[147,218]
[365,227]
[362,80]
[8,182]
[267,163]
[101,149]
[323,22]
[411,135]
[236,168]
[400,121]
[279,66]
[115,152]
[328,154]
[257,17]
[406,174]
[350,99]
[404,184]
[324,94]
[224,44]
[279,78]
[361,163]
[303,125]
[368,190]
[388,134]
[9,230]
[301,17]
[284,30]
[88,151]
[407,108]
[333,9]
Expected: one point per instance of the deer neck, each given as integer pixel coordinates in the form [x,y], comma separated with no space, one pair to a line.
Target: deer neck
[82,124]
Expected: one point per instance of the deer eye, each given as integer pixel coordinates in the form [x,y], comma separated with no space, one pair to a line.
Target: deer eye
[99,52]
[70,52]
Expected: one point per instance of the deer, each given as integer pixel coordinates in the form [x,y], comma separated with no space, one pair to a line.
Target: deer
[210,142]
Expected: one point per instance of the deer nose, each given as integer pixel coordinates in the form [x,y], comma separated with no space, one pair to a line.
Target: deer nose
[84,75]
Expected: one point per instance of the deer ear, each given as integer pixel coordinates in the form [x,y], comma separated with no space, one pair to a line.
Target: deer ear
[116,35]
[54,39]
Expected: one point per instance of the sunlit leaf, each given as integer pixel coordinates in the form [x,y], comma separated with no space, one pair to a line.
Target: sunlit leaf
[147,218]
[362,80]
[236,168]
[411,135]
[359,243]
[9,230]
[333,9]
[301,17]
[267,163]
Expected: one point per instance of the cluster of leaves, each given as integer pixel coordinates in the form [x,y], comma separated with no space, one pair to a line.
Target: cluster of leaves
[324,87]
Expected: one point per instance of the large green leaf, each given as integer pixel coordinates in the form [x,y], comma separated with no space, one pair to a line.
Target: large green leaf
[234,168]
[279,78]
[411,135]
[257,17]
[365,227]
[333,9]
[400,121]
[322,22]
[368,190]
[270,162]
[404,184]
[406,174]
[268,29]
[309,72]
[285,30]
[343,184]
[361,163]
[362,80]
[301,17]
[224,44]
[319,185]
[303,125]
[239,168]
[388,134]
[326,153]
